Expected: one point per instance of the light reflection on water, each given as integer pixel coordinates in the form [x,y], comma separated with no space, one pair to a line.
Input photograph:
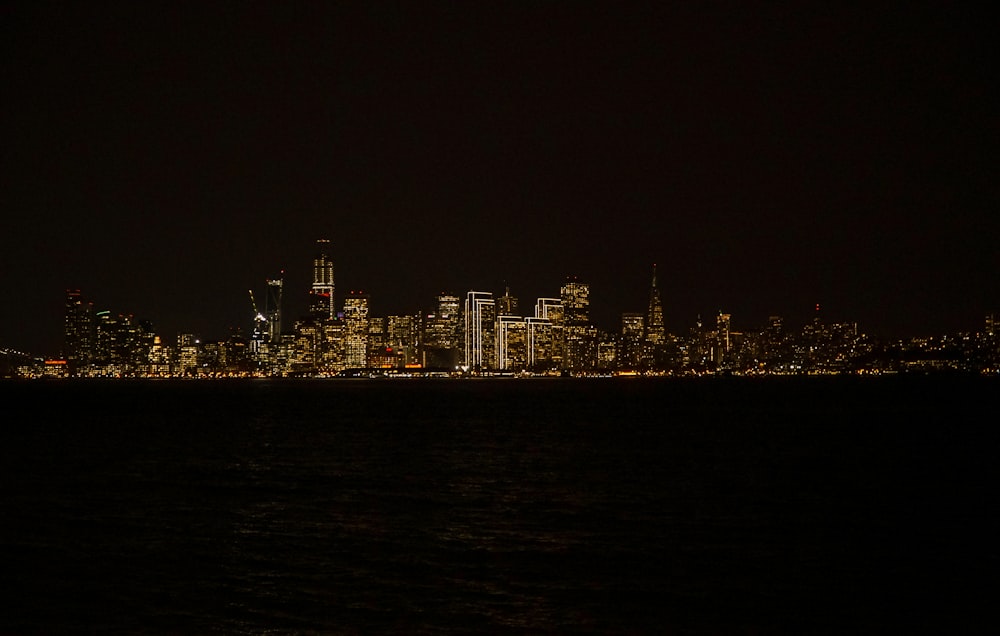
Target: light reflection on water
[469,508]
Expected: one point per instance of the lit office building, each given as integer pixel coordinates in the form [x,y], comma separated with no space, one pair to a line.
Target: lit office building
[121,345]
[333,355]
[580,336]
[506,304]
[321,303]
[442,334]
[187,354]
[403,336]
[272,309]
[377,335]
[723,342]
[309,342]
[580,346]
[540,343]
[607,355]
[356,334]
[575,297]
[480,317]
[512,353]
[551,309]
[79,331]
[630,353]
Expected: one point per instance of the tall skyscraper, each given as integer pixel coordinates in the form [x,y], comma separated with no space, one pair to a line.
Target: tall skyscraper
[575,297]
[548,344]
[630,354]
[723,342]
[79,330]
[655,332]
[356,320]
[480,319]
[580,335]
[321,303]
[272,308]
[539,343]
[506,304]
[511,335]
[442,344]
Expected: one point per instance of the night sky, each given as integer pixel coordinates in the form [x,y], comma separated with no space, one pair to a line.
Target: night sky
[166,158]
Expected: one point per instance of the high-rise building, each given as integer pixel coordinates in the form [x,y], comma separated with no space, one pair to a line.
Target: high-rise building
[540,341]
[512,354]
[79,331]
[480,319]
[550,309]
[506,304]
[553,340]
[575,297]
[321,299]
[357,330]
[442,334]
[655,332]
[403,336]
[272,309]
[631,352]
[723,342]
[580,335]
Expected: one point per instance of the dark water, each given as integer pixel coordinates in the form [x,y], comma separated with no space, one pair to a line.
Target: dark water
[469,507]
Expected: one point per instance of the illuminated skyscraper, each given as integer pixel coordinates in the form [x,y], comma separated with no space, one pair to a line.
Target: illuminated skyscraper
[575,297]
[79,330]
[631,352]
[357,330]
[547,341]
[480,319]
[442,344]
[321,303]
[655,332]
[272,309]
[512,354]
[506,304]
[580,335]
[539,341]
[723,343]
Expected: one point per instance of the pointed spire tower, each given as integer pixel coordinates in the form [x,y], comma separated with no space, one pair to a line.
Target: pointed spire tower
[655,332]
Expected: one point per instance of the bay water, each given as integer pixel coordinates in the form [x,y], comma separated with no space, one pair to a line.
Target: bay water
[535,506]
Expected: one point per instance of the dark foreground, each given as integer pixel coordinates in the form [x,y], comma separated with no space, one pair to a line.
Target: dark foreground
[457,507]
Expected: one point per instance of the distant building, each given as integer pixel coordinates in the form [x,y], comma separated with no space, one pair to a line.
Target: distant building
[443,335]
[655,332]
[321,299]
[480,318]
[79,331]
[632,341]
[357,331]
[580,335]
[403,337]
[575,299]
[506,304]
[540,341]
[272,309]
[512,352]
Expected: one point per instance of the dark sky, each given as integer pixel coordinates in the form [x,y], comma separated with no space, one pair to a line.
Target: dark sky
[166,158]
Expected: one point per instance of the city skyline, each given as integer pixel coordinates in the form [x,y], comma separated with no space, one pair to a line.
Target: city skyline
[486,335]
[767,158]
[283,313]
[284,306]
